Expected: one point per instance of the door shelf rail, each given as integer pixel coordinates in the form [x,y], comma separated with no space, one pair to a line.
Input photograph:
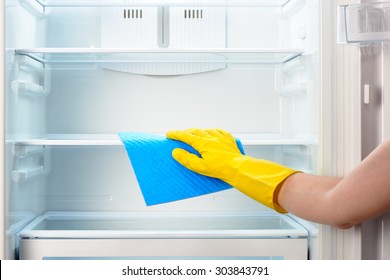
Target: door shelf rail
[157,3]
[204,55]
[114,140]
[28,88]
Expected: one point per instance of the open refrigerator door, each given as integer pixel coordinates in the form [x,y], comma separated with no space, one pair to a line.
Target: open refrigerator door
[364,35]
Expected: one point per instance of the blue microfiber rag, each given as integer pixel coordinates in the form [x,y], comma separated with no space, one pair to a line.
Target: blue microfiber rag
[159,176]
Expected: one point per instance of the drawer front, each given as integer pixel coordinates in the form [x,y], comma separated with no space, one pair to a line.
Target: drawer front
[294,248]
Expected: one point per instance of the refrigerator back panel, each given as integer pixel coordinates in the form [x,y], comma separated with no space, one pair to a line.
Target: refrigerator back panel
[74,79]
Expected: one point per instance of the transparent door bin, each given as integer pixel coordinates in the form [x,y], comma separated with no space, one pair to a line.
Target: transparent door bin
[152,225]
[364,23]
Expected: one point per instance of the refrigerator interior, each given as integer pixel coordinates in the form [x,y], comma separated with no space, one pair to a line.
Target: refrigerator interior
[78,72]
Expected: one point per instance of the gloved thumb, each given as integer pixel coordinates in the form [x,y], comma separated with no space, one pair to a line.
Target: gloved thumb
[189,160]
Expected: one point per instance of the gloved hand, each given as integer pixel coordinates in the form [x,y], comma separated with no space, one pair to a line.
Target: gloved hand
[221,158]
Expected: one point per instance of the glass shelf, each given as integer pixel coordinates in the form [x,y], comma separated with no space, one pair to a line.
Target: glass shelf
[127,225]
[154,3]
[114,140]
[364,23]
[91,55]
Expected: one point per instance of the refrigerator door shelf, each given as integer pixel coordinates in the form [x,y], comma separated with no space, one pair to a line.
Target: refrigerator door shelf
[114,140]
[76,225]
[203,55]
[364,23]
[154,3]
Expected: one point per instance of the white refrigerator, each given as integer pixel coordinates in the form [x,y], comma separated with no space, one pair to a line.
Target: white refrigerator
[299,82]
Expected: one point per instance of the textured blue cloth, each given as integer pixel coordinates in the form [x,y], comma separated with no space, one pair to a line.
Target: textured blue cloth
[159,176]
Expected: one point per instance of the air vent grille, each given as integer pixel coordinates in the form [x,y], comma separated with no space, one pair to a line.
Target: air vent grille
[193,13]
[132,13]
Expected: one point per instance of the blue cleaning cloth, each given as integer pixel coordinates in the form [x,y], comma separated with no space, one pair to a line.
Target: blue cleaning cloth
[159,176]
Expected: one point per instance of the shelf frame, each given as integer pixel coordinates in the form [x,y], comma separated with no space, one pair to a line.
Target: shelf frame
[293,229]
[114,140]
[120,55]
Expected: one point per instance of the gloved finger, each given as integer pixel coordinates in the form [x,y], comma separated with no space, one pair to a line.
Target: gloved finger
[226,134]
[222,136]
[198,132]
[225,137]
[190,161]
[183,136]
[214,133]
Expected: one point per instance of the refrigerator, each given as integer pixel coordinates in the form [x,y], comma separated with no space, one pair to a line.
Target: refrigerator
[299,82]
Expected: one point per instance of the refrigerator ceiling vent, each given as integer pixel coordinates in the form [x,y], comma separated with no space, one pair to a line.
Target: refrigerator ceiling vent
[164,28]
[192,13]
[132,13]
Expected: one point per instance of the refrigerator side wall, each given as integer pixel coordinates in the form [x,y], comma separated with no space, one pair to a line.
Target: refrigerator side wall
[347,135]
[320,247]
[2,194]
[340,128]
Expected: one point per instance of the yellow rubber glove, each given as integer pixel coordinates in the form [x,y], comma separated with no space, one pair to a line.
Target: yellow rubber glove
[221,158]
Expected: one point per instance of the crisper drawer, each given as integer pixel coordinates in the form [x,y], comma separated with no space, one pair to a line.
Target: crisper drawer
[57,235]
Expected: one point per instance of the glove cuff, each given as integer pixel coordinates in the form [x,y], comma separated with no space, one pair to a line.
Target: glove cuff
[261,180]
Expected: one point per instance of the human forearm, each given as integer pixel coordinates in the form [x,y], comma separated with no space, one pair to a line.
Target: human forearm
[363,194]
[307,196]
